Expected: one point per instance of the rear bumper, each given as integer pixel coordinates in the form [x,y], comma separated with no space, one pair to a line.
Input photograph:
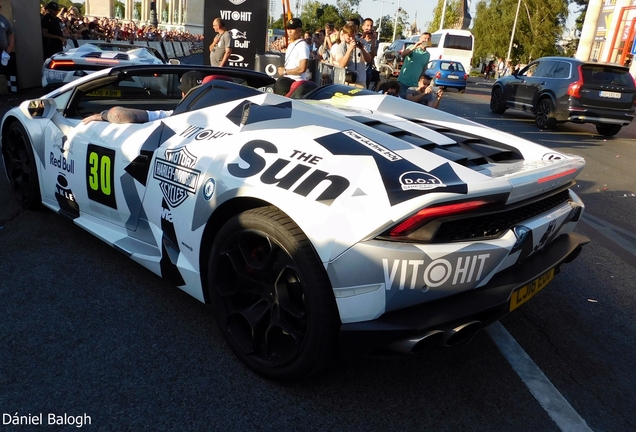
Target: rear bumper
[450,83]
[469,310]
[585,114]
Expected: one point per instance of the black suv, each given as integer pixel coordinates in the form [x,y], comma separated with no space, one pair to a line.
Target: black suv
[392,60]
[560,89]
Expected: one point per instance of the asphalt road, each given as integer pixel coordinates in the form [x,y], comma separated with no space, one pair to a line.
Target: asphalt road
[87,332]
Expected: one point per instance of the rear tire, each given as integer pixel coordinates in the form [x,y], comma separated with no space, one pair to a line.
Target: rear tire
[271,296]
[544,114]
[462,90]
[608,130]
[20,165]
[497,102]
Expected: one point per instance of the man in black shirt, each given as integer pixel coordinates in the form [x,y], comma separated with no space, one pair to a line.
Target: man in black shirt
[52,38]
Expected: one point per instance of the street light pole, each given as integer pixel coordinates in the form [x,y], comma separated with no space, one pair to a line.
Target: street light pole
[514,27]
[395,22]
[441,21]
[381,14]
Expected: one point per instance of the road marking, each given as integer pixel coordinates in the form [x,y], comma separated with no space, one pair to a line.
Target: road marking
[620,236]
[559,410]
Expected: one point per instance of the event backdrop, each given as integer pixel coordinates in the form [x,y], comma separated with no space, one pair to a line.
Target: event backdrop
[246,21]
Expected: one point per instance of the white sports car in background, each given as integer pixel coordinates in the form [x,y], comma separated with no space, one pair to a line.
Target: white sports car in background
[75,63]
[344,223]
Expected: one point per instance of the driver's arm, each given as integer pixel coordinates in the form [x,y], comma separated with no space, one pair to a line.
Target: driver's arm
[119,115]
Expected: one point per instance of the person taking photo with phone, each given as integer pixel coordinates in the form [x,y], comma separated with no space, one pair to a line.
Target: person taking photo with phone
[415,60]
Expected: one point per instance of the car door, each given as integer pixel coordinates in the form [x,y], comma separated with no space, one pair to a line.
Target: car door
[535,83]
[515,89]
[100,167]
[532,82]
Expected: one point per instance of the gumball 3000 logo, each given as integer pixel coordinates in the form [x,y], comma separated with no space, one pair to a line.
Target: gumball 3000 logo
[418,180]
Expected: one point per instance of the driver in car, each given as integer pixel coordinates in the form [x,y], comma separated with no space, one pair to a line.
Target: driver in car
[189,80]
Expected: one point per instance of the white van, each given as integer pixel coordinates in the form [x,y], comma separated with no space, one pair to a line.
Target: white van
[455,45]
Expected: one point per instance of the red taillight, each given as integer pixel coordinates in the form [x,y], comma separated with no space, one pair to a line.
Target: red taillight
[465,77]
[438,74]
[556,176]
[424,216]
[574,89]
[59,63]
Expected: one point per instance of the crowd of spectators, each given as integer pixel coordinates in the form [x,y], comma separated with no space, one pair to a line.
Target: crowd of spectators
[76,27]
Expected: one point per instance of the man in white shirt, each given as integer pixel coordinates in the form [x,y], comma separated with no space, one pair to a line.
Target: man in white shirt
[297,52]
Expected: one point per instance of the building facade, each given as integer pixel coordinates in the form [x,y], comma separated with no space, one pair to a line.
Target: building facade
[182,14]
[609,32]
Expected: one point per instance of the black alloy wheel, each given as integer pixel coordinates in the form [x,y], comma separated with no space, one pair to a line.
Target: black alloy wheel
[497,102]
[271,296]
[544,114]
[19,163]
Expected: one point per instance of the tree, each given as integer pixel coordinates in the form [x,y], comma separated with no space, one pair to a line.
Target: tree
[540,25]
[389,21]
[451,17]
[315,15]
[386,32]
[348,8]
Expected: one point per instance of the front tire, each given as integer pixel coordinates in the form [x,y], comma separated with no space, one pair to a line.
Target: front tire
[544,114]
[271,296]
[19,163]
[497,102]
[608,130]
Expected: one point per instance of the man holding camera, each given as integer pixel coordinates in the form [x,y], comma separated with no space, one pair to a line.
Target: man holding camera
[370,41]
[415,60]
[351,55]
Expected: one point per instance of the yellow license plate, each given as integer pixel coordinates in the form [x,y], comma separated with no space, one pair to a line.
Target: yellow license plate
[104,93]
[526,292]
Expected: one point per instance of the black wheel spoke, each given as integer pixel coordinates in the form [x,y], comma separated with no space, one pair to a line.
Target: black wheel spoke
[284,337]
[248,326]
[289,291]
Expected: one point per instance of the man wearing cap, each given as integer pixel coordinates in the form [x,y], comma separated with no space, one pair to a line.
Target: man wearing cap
[189,80]
[297,53]
[52,38]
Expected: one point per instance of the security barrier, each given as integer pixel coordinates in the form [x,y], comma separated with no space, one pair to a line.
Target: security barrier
[178,50]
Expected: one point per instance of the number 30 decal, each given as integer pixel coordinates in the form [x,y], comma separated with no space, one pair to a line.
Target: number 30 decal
[100,172]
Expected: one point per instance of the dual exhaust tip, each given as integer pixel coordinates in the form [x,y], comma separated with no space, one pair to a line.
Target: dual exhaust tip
[445,338]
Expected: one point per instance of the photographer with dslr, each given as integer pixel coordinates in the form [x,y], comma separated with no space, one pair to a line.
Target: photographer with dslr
[351,55]
[370,41]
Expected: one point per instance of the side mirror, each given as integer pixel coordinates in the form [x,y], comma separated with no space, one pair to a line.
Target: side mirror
[38,108]
[174,61]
